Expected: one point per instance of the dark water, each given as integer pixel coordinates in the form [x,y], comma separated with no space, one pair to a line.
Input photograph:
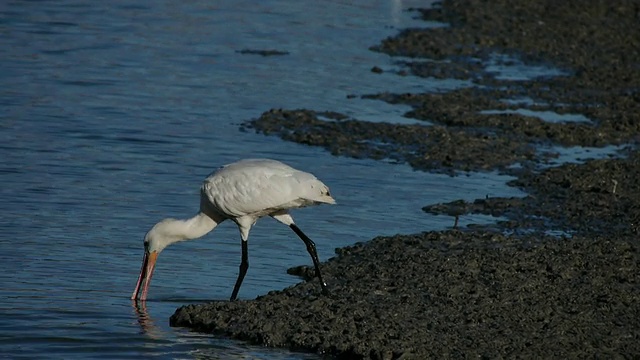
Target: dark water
[111,115]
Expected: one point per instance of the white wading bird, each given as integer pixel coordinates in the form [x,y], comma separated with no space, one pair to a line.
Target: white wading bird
[243,192]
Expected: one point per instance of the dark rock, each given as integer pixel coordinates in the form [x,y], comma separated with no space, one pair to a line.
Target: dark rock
[262,52]
[450,293]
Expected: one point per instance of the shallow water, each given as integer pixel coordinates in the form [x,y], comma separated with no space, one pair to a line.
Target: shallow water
[509,67]
[113,113]
[549,116]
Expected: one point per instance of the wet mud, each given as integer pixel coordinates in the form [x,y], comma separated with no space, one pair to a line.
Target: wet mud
[450,294]
[559,278]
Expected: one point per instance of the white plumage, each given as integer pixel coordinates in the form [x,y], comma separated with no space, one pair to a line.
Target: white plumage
[243,191]
[259,187]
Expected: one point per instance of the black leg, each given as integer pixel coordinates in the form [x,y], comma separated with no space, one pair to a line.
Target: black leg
[244,265]
[311,248]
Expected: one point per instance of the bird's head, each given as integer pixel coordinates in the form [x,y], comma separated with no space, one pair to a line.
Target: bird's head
[159,237]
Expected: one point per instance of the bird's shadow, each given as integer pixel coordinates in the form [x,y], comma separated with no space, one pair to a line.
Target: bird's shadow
[147,324]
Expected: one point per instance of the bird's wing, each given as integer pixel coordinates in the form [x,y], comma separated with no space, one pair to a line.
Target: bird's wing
[259,188]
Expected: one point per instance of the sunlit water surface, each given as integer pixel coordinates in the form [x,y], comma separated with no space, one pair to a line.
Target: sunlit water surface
[112,114]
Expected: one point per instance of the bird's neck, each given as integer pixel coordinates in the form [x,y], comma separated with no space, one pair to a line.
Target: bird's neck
[196,227]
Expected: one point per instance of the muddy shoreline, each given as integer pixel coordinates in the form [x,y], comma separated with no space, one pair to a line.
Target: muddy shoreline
[506,290]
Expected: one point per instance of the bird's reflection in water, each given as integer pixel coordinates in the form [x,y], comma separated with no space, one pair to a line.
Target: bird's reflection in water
[146,322]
